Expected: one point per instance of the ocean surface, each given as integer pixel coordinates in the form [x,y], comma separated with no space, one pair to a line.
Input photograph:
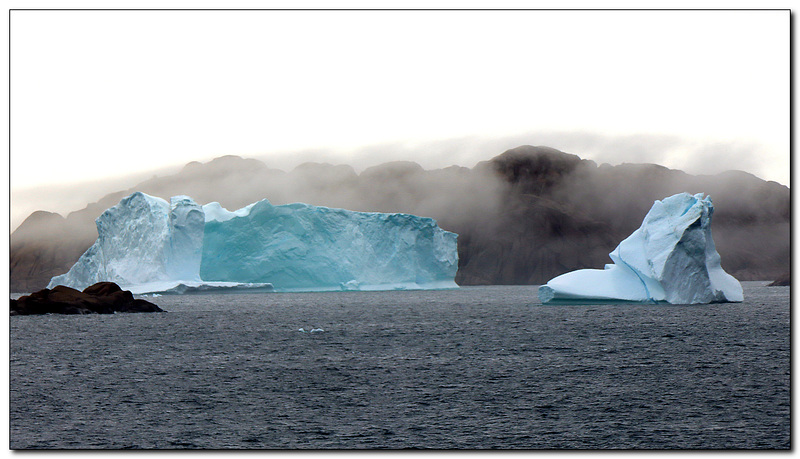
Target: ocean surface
[474,368]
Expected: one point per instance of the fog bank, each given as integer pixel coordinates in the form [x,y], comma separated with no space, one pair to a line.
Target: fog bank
[694,156]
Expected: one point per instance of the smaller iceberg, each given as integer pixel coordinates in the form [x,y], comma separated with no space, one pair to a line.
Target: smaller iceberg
[671,258]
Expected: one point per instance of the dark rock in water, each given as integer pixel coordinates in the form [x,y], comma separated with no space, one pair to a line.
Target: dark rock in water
[784,280]
[100,298]
[104,289]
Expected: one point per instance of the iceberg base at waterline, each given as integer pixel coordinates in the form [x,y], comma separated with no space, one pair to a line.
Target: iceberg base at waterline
[189,287]
[671,259]
[149,245]
[186,287]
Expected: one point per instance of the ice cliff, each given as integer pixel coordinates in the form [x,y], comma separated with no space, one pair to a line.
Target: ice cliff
[671,258]
[148,245]
[142,240]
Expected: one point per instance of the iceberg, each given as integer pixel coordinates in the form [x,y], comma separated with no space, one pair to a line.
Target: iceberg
[148,245]
[671,258]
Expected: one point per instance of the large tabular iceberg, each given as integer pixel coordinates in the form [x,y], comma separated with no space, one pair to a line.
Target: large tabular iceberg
[148,245]
[671,258]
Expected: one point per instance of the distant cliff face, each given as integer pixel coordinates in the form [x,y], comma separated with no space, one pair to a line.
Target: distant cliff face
[522,217]
[43,245]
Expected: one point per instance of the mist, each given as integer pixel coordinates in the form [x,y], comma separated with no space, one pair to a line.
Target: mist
[67,197]
[690,155]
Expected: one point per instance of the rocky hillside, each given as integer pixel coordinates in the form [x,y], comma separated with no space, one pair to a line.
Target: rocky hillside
[522,217]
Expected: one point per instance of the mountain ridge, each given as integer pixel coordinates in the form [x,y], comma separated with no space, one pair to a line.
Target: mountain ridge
[522,217]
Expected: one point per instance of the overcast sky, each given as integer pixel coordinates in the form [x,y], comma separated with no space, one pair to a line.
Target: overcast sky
[99,94]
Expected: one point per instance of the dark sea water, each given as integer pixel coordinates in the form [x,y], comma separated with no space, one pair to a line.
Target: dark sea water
[479,367]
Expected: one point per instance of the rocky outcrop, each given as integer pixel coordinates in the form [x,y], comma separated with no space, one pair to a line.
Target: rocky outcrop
[100,298]
[531,233]
[785,280]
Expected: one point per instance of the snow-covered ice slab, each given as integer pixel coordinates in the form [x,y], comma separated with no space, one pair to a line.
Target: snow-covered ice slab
[671,258]
[147,245]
